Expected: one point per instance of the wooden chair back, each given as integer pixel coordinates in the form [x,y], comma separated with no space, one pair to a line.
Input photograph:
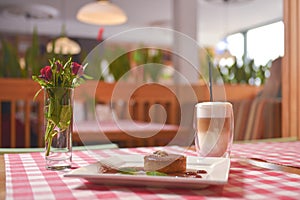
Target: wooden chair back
[155,102]
[17,109]
[260,117]
[272,87]
[136,101]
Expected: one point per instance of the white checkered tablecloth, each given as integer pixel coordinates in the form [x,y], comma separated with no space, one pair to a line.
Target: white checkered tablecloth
[27,178]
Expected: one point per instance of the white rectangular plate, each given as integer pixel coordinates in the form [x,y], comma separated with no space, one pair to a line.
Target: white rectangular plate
[217,173]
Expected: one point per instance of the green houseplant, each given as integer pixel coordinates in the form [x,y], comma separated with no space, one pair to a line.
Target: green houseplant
[149,58]
[9,61]
[245,73]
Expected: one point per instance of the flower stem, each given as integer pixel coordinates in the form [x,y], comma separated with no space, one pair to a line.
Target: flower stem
[48,136]
[49,145]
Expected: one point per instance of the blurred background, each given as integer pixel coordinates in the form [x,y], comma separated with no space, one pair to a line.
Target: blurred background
[243,40]
[237,34]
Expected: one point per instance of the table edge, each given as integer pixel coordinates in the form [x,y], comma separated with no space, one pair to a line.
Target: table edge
[2,178]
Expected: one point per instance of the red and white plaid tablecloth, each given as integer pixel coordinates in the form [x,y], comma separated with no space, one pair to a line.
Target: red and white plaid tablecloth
[27,178]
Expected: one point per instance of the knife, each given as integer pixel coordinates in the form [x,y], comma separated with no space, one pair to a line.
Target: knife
[269,165]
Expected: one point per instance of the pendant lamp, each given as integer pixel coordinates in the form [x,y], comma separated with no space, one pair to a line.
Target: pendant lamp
[63,45]
[101,13]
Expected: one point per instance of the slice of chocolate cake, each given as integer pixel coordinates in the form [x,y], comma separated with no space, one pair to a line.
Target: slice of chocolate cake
[163,162]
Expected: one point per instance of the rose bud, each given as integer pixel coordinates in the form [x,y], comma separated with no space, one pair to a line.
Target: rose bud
[77,69]
[46,73]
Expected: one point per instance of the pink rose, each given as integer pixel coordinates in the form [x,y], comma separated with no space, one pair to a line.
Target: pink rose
[77,69]
[46,73]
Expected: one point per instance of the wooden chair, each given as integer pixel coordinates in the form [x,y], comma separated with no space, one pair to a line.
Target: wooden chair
[21,117]
[150,95]
[129,102]
[137,100]
[260,118]
[241,110]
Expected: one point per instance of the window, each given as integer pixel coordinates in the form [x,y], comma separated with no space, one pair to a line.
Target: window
[236,45]
[261,45]
[265,43]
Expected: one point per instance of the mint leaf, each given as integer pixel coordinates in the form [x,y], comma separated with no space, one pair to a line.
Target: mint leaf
[155,173]
[128,170]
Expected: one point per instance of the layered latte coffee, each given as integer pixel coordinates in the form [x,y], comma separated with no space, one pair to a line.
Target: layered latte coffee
[214,128]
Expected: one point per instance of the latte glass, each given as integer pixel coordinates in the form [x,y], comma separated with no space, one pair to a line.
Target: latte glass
[214,127]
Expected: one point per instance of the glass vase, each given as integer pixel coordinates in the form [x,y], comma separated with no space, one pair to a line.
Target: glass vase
[58,127]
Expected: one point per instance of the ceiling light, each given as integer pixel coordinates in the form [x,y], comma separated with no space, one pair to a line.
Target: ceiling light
[227,1]
[30,11]
[63,45]
[101,13]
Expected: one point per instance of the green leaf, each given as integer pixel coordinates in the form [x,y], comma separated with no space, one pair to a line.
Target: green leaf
[85,76]
[128,170]
[65,116]
[33,55]
[54,110]
[10,61]
[41,81]
[155,173]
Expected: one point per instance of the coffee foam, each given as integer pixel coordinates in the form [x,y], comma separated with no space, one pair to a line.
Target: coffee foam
[213,109]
